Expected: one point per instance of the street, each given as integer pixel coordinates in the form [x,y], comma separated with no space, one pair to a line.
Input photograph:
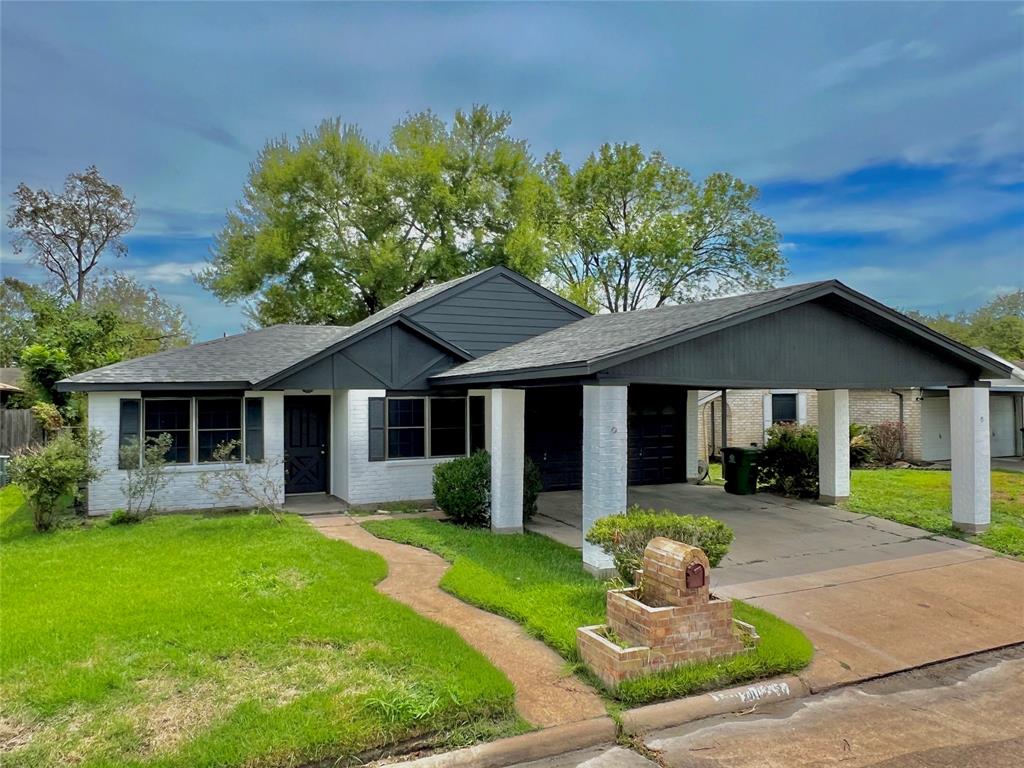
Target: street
[962,713]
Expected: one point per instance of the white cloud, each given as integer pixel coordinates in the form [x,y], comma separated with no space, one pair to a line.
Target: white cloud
[165,272]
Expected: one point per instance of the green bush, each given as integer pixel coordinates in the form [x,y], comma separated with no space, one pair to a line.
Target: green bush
[52,476]
[789,462]
[861,450]
[123,517]
[532,486]
[626,536]
[462,488]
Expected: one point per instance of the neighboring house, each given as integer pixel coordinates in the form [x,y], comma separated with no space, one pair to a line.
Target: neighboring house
[494,360]
[924,413]
[10,384]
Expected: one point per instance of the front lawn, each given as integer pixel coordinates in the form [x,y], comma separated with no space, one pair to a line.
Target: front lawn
[923,498]
[541,584]
[219,640]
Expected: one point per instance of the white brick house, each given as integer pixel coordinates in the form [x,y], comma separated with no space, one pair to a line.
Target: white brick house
[494,361]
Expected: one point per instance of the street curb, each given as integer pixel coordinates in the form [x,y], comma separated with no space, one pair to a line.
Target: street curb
[520,749]
[672,713]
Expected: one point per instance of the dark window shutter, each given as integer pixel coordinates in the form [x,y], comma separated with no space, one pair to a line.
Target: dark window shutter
[377,429]
[129,432]
[254,429]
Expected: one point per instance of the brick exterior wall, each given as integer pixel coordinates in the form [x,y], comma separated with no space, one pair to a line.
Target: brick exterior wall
[663,623]
[746,416]
[605,410]
[183,490]
[372,482]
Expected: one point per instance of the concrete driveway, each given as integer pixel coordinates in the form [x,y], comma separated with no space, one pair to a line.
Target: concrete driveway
[873,596]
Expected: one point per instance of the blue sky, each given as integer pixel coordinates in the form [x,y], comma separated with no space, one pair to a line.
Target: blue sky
[887,139]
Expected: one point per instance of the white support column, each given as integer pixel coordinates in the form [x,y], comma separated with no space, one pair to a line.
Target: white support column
[970,457]
[692,428]
[508,446]
[604,465]
[833,445]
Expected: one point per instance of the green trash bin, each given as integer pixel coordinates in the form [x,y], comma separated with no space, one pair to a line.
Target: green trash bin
[739,469]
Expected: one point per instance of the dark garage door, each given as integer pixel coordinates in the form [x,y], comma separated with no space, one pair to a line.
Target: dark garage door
[656,435]
[554,435]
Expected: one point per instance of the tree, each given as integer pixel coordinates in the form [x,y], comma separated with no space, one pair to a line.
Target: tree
[630,230]
[153,323]
[332,228]
[997,326]
[52,337]
[67,233]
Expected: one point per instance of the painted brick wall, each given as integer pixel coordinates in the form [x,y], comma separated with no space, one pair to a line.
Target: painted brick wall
[605,411]
[183,491]
[377,481]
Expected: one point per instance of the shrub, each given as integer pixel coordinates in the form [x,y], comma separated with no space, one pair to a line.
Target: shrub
[861,450]
[144,479]
[260,482]
[789,461]
[52,475]
[887,441]
[123,517]
[49,417]
[626,536]
[462,488]
[532,486]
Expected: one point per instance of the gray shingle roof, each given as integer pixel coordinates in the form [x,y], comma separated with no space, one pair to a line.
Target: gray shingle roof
[246,358]
[599,336]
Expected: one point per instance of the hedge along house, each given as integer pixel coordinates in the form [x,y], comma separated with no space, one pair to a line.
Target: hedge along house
[495,361]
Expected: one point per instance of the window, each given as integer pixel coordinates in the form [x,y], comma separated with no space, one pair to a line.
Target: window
[174,417]
[447,426]
[418,427]
[218,421]
[783,408]
[406,428]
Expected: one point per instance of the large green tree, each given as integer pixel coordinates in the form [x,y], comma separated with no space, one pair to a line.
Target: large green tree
[629,230]
[332,227]
[998,325]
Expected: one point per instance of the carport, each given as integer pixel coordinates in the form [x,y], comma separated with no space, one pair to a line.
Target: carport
[822,336]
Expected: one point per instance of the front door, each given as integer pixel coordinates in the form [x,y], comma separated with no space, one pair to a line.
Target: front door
[306,438]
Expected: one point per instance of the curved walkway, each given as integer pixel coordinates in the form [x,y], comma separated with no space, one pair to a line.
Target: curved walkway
[546,693]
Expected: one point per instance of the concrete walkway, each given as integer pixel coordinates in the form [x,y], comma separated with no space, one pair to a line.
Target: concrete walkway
[547,694]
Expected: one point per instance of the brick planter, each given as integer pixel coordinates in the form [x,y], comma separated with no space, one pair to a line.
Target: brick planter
[671,618]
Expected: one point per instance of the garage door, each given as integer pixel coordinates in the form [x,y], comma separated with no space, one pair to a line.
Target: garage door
[1001,416]
[656,435]
[935,429]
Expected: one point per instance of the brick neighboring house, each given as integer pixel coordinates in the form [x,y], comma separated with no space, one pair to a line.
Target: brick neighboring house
[924,413]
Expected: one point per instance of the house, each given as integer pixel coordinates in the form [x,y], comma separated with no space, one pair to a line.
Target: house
[496,361]
[924,413]
[10,384]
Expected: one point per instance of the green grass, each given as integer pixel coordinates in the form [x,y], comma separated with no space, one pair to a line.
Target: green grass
[541,584]
[923,499]
[219,640]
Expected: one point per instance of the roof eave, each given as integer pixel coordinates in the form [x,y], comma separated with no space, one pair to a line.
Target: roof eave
[66,385]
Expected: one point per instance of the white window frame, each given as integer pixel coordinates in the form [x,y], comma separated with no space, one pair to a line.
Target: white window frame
[427,448]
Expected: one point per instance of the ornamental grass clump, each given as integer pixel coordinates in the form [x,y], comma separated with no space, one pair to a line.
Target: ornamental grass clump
[626,536]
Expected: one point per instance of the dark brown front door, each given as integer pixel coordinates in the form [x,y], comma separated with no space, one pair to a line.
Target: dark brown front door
[306,437]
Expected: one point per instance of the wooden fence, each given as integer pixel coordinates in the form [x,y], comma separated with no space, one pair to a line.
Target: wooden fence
[18,429]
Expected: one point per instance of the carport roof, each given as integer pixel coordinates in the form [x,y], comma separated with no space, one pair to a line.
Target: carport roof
[600,341]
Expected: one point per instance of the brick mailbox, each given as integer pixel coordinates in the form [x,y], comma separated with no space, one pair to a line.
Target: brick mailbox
[669,618]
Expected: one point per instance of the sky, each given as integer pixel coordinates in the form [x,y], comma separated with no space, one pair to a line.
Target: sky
[887,139]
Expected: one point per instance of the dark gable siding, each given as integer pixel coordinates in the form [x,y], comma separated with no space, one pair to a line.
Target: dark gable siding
[811,345]
[393,358]
[491,315]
